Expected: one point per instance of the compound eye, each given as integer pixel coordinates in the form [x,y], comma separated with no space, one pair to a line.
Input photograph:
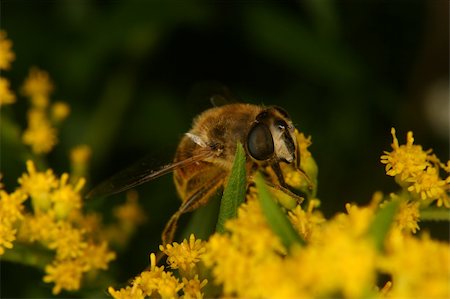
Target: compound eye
[260,142]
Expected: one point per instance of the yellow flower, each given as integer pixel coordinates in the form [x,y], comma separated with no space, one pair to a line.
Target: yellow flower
[407,217]
[60,111]
[126,293]
[40,135]
[307,222]
[340,263]
[67,241]
[405,161]
[37,87]
[80,155]
[247,249]
[65,274]
[250,220]
[6,54]
[130,213]
[428,185]
[97,256]
[38,185]
[419,268]
[192,288]
[151,282]
[66,198]
[40,226]
[11,211]
[7,236]
[11,206]
[6,95]
[79,161]
[184,256]
[418,171]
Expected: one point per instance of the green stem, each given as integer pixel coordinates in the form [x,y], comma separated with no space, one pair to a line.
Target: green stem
[435,214]
[29,255]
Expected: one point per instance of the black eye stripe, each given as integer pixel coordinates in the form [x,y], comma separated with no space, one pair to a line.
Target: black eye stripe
[289,142]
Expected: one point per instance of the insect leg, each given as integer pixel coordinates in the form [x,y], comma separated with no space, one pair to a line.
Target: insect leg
[284,186]
[285,190]
[276,168]
[198,199]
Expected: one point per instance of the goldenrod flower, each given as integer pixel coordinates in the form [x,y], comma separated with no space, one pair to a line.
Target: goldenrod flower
[307,222]
[38,186]
[11,211]
[6,54]
[405,161]
[40,135]
[184,256]
[80,155]
[417,170]
[65,197]
[7,236]
[126,293]
[130,213]
[11,206]
[39,227]
[66,275]
[79,161]
[6,95]
[37,87]
[152,282]
[97,256]
[59,111]
[429,185]
[419,268]
[192,288]
[407,217]
[246,251]
[67,241]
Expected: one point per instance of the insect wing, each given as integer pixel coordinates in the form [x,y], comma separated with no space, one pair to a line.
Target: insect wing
[140,173]
[213,91]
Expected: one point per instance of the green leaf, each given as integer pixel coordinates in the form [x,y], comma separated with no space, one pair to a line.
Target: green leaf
[234,192]
[382,222]
[276,218]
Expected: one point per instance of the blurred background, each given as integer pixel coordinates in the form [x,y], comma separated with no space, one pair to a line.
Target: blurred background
[136,73]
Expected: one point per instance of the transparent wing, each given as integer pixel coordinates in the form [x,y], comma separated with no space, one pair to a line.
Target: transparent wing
[141,173]
[215,92]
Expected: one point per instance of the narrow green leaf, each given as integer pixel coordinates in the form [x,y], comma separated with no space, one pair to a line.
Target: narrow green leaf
[382,222]
[234,192]
[277,220]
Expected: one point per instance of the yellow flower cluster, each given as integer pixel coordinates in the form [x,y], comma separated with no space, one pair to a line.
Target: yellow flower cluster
[418,171]
[41,133]
[6,58]
[56,222]
[156,282]
[47,209]
[11,212]
[341,257]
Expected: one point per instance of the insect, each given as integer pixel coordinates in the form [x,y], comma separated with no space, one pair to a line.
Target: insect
[205,154]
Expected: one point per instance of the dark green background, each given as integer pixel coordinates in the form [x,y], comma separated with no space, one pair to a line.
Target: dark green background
[136,72]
